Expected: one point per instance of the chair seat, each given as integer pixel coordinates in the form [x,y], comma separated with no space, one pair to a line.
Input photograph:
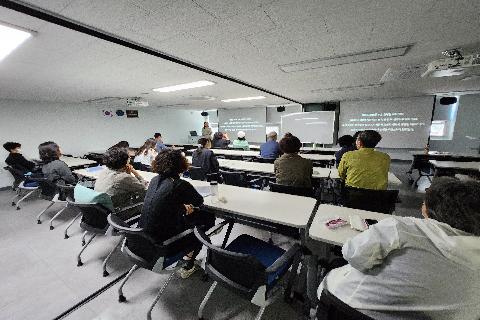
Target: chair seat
[264,252]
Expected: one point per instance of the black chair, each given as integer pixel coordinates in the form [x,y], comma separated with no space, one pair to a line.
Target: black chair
[196,173]
[263,160]
[298,191]
[94,221]
[424,168]
[20,186]
[250,267]
[242,179]
[145,253]
[332,308]
[55,193]
[382,201]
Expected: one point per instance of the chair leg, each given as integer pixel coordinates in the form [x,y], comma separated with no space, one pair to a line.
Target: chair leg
[43,211]
[260,313]
[121,297]
[104,264]
[83,237]
[149,313]
[70,224]
[15,198]
[55,216]
[79,258]
[205,300]
[23,198]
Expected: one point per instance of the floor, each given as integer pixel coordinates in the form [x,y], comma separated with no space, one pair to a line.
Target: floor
[40,277]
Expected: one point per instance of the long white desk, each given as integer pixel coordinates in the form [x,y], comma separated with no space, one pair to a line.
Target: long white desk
[251,153]
[73,162]
[455,165]
[272,207]
[319,232]
[268,168]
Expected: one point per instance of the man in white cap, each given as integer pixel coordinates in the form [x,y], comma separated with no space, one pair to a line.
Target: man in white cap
[241,142]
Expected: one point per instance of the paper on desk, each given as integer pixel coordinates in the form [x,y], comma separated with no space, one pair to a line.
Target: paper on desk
[203,190]
[94,169]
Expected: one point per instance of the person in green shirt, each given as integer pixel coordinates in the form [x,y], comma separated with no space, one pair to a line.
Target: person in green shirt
[365,168]
[241,142]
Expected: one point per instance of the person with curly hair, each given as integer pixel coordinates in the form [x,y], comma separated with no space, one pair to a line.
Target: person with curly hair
[120,180]
[409,268]
[169,206]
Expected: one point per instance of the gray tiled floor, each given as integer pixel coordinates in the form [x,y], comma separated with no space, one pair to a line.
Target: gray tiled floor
[40,279]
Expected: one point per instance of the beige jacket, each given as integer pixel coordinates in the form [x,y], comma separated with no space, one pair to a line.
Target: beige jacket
[293,170]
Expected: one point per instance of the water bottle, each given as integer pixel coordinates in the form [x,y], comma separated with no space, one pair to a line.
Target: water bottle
[214,190]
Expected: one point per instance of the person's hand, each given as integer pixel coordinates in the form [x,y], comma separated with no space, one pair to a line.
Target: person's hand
[129,168]
[188,209]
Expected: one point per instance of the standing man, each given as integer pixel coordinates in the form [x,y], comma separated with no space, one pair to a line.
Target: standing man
[271,148]
[365,168]
[159,145]
[206,131]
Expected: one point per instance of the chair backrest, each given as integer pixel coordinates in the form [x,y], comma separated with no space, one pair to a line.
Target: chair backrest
[263,160]
[65,192]
[422,164]
[234,178]
[298,191]
[382,201]
[17,174]
[332,308]
[144,251]
[94,215]
[241,272]
[196,173]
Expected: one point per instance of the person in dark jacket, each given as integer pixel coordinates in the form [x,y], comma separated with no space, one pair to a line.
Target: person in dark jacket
[54,169]
[271,148]
[220,140]
[16,160]
[169,204]
[346,144]
[204,158]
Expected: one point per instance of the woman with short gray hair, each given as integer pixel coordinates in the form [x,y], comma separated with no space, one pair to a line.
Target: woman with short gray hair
[410,268]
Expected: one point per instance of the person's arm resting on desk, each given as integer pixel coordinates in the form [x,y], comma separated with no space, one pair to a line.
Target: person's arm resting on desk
[369,248]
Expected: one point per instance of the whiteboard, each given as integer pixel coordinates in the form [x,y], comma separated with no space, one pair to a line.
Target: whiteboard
[310,127]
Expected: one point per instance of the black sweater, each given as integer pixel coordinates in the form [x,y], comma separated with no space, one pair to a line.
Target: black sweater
[163,209]
[18,161]
[205,159]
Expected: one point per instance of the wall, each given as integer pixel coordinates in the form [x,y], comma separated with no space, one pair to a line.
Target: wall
[467,124]
[80,128]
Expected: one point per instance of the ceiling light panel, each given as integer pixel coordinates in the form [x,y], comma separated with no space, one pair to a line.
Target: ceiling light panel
[185,86]
[244,99]
[10,38]
[349,58]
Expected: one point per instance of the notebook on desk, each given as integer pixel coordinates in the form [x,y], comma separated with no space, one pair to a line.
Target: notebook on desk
[94,169]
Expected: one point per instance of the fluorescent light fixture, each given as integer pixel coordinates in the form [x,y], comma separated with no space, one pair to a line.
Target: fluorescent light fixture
[244,99]
[363,86]
[348,58]
[185,86]
[10,38]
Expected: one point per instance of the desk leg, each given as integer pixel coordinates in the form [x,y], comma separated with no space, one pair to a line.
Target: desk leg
[227,235]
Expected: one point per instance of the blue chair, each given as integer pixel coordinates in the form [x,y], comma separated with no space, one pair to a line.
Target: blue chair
[250,267]
[145,253]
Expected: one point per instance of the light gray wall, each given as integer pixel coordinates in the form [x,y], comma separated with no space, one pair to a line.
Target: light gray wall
[80,128]
[467,124]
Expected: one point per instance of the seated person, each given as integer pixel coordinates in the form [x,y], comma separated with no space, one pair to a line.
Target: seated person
[121,181]
[169,204]
[159,145]
[241,142]
[346,144]
[220,140]
[145,155]
[121,144]
[271,148]
[291,169]
[54,169]
[15,158]
[204,158]
[365,168]
[410,268]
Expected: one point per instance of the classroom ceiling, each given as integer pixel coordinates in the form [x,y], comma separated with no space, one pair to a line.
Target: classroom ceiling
[247,40]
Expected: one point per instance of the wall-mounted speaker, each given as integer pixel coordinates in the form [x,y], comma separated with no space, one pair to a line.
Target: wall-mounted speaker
[204,114]
[448,100]
[280,109]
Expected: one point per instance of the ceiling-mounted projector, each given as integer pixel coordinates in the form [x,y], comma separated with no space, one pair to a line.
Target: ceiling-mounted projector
[136,102]
[454,64]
